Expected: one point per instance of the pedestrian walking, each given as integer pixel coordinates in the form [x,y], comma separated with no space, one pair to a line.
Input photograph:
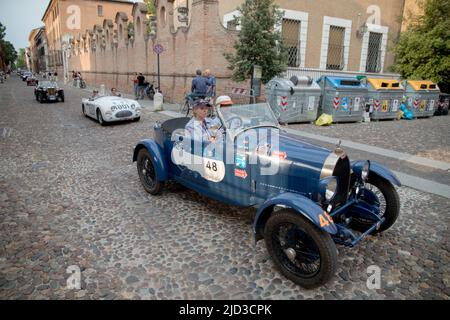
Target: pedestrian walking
[135,85]
[210,84]
[141,86]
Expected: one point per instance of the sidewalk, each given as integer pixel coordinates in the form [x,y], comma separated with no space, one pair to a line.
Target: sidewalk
[145,103]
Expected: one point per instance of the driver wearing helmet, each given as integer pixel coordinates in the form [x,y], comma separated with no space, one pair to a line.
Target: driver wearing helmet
[202,126]
[223,101]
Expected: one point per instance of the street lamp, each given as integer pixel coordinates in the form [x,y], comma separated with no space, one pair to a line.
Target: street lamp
[183,14]
[362,30]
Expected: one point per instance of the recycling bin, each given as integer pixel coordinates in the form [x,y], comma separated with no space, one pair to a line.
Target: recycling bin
[343,98]
[294,100]
[422,97]
[384,98]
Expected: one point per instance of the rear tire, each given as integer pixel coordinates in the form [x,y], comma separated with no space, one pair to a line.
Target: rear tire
[301,251]
[147,173]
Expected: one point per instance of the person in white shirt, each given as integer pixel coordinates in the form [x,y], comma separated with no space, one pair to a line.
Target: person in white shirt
[201,127]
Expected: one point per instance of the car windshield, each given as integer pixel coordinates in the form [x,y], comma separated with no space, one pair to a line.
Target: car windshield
[48,84]
[243,116]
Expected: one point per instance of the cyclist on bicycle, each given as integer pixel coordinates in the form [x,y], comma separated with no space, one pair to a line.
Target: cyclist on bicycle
[199,87]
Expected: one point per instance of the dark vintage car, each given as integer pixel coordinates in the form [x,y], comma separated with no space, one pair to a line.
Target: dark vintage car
[308,198]
[25,75]
[32,81]
[48,91]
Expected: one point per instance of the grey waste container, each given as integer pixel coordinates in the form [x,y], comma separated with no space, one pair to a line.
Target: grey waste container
[343,98]
[384,98]
[295,100]
[422,97]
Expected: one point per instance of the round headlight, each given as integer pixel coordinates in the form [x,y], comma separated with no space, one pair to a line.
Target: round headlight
[365,171]
[331,189]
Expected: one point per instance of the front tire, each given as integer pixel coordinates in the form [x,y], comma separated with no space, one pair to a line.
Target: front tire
[389,205]
[136,119]
[184,110]
[100,118]
[301,251]
[147,173]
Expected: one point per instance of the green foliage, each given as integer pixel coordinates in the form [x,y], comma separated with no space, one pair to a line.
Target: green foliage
[423,51]
[2,31]
[8,53]
[258,41]
[130,28]
[151,6]
[20,63]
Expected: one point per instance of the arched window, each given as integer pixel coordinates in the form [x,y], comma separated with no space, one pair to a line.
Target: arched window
[138,26]
[163,16]
[120,31]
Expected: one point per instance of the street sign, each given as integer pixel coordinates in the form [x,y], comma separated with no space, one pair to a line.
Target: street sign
[158,49]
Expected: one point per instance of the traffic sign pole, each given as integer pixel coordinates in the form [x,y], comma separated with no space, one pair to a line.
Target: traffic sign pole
[159,80]
[158,49]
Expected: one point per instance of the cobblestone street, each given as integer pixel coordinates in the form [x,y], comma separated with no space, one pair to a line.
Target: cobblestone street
[70,195]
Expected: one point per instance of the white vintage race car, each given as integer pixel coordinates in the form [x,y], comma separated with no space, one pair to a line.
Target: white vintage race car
[111,108]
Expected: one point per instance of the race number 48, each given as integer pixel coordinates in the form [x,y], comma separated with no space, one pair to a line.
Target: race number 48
[211,165]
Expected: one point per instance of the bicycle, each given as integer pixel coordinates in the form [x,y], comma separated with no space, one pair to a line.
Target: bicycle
[189,101]
[150,90]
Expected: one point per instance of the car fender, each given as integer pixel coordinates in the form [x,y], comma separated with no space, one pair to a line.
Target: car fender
[157,154]
[301,204]
[376,169]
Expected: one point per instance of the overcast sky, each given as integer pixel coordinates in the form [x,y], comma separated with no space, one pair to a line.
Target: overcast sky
[20,17]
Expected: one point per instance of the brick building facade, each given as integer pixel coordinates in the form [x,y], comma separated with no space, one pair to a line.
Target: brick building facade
[64,18]
[340,36]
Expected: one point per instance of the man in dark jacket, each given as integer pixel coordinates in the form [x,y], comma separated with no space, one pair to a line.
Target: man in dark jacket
[198,88]
[141,86]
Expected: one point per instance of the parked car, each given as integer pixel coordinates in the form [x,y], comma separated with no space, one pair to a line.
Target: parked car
[107,109]
[25,75]
[48,91]
[315,199]
[32,81]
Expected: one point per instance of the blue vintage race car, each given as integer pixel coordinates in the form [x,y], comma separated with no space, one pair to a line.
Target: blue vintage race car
[308,198]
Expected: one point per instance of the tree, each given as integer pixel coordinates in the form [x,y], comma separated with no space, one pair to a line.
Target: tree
[2,31]
[7,52]
[423,51]
[151,11]
[20,63]
[259,42]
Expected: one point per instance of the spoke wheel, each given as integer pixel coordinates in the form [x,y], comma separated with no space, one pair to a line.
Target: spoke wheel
[301,252]
[147,173]
[185,108]
[389,205]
